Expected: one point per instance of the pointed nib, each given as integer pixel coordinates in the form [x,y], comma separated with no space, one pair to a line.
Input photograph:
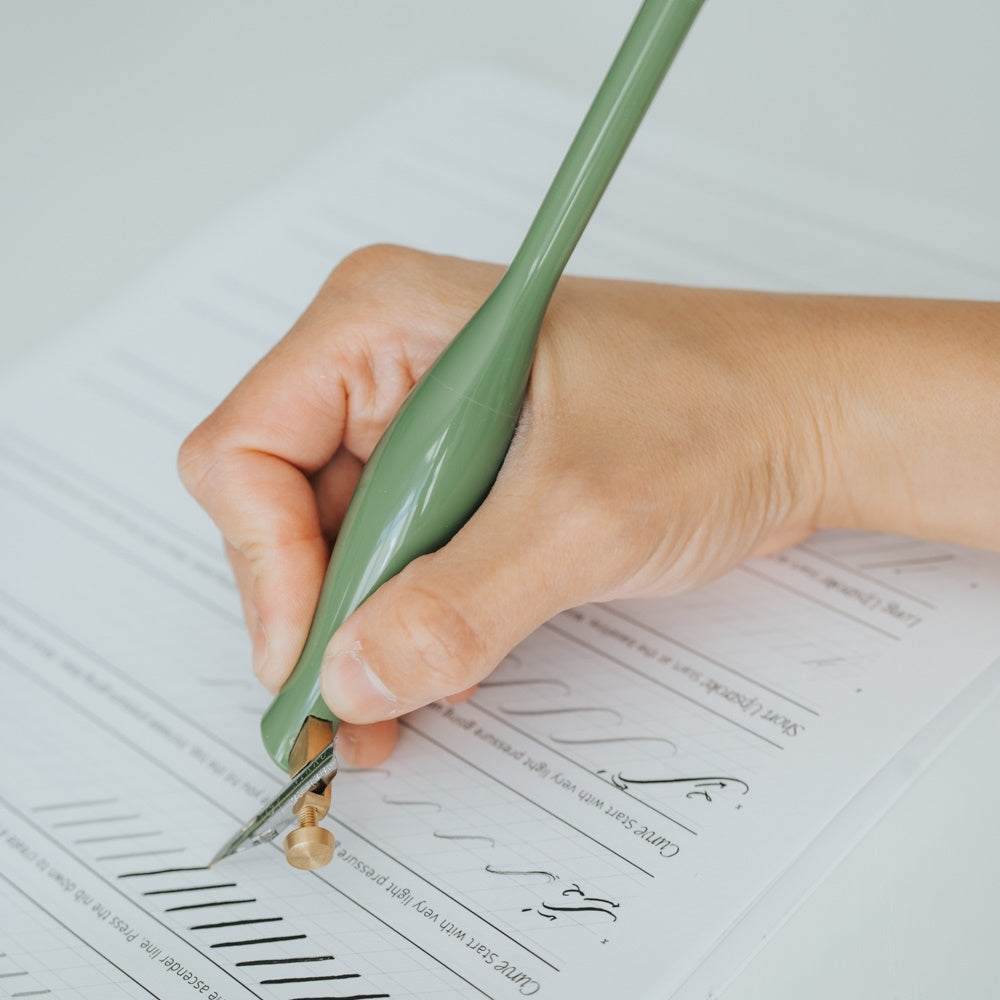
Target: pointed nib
[277,815]
[218,857]
[229,848]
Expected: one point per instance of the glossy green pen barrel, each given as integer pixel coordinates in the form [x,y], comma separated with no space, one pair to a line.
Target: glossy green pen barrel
[441,453]
[431,469]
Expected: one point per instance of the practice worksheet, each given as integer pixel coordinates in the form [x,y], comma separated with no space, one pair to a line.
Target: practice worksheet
[635,786]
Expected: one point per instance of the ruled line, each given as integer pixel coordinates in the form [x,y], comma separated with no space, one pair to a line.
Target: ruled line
[659,683]
[437,888]
[534,739]
[615,612]
[163,704]
[371,913]
[91,822]
[72,471]
[74,805]
[213,803]
[133,404]
[118,836]
[833,561]
[815,600]
[142,854]
[102,502]
[408,724]
[69,930]
[62,516]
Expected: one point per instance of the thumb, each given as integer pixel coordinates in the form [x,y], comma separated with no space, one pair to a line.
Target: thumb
[446,620]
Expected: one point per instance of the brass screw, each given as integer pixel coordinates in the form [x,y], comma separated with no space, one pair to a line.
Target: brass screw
[310,846]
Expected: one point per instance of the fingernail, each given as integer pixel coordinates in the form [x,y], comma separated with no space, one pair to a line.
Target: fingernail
[261,650]
[353,690]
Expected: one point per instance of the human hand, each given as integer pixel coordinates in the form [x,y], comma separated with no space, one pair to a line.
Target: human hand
[668,434]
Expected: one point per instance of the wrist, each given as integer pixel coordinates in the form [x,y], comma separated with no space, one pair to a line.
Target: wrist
[912,412]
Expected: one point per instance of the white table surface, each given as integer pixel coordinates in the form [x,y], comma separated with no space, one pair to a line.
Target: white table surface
[125,127]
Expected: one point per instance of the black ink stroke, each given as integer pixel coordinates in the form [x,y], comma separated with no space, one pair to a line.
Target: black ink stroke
[190,888]
[163,871]
[520,871]
[206,906]
[309,979]
[700,785]
[465,836]
[579,710]
[614,739]
[285,961]
[575,890]
[527,681]
[581,909]
[251,942]
[408,802]
[586,904]
[236,923]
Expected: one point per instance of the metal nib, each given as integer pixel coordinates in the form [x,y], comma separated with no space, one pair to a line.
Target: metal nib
[312,779]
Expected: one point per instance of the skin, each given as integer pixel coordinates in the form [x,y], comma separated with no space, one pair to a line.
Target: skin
[668,434]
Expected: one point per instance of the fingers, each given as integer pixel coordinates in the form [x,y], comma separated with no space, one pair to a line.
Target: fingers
[267,513]
[249,465]
[244,584]
[334,486]
[276,463]
[442,624]
[366,746]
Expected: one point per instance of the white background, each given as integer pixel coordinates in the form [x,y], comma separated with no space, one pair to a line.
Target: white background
[127,126]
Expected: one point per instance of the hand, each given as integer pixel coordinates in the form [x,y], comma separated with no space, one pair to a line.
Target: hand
[668,434]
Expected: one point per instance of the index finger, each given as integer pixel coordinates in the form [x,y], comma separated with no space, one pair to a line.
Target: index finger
[250,463]
[305,417]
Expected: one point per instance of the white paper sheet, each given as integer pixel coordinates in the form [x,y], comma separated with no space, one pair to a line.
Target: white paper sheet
[635,786]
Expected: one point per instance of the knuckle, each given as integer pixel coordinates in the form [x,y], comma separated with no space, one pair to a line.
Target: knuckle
[363,264]
[583,500]
[257,552]
[614,521]
[195,458]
